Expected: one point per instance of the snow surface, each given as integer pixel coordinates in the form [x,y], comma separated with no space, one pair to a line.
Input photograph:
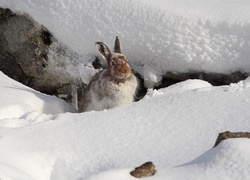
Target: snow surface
[19,100]
[163,35]
[229,161]
[171,127]
[42,138]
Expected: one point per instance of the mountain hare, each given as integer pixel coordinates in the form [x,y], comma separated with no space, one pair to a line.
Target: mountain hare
[113,86]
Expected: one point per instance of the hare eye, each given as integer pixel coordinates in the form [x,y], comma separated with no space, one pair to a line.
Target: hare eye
[112,63]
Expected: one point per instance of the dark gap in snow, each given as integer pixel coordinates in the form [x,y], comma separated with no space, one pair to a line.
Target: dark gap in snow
[97,63]
[170,78]
[141,90]
[216,79]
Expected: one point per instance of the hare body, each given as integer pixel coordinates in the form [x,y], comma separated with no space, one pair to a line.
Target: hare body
[114,86]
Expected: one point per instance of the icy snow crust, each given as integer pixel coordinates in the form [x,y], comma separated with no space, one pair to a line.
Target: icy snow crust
[170,127]
[165,35]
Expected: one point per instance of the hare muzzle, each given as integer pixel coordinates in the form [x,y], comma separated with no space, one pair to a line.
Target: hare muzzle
[125,70]
[119,66]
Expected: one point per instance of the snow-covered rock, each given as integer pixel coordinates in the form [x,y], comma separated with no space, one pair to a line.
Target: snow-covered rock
[175,36]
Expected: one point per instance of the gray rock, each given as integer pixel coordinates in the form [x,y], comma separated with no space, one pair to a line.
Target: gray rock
[24,55]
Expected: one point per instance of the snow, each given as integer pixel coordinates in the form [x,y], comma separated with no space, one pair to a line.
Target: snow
[43,138]
[228,161]
[171,128]
[22,100]
[168,35]
[150,77]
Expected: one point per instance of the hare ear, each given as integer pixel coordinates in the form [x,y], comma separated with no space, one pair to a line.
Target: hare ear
[117,48]
[103,50]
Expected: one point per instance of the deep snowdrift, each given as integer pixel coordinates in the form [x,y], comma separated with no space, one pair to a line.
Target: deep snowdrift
[170,127]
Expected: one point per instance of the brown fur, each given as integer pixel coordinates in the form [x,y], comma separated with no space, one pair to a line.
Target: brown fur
[118,67]
[113,86]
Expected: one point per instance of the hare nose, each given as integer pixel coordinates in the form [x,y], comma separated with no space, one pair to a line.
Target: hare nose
[123,71]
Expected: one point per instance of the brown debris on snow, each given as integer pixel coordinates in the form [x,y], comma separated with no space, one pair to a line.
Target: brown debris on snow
[145,170]
[226,135]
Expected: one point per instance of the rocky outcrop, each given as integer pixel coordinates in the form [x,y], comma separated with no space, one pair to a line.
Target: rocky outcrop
[145,170]
[24,50]
[227,135]
[25,47]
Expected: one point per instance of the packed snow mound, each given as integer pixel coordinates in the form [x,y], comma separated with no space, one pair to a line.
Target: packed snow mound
[245,83]
[169,129]
[19,100]
[176,36]
[188,85]
[230,160]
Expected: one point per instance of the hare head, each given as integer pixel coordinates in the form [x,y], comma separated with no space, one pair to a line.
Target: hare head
[117,64]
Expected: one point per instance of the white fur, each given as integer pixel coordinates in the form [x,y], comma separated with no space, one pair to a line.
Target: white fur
[113,86]
[122,93]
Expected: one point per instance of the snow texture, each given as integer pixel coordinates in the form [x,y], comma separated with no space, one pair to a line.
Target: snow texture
[170,127]
[168,35]
[42,138]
